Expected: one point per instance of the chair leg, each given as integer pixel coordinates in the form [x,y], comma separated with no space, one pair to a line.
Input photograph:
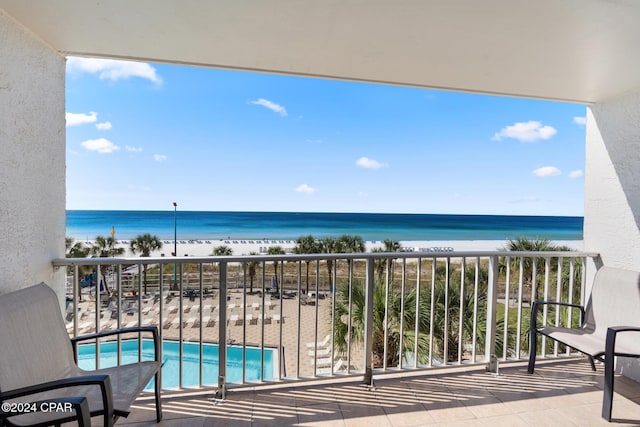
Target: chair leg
[607,399]
[609,366]
[593,365]
[158,400]
[533,343]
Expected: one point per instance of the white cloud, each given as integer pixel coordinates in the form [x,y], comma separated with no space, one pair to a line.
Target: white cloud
[547,171]
[576,174]
[112,69]
[102,146]
[133,149]
[104,126]
[76,119]
[159,157]
[526,131]
[276,108]
[580,120]
[304,188]
[367,163]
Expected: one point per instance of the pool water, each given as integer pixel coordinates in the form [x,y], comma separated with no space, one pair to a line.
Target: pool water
[190,361]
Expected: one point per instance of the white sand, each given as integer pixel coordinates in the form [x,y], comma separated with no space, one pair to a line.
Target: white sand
[245,247]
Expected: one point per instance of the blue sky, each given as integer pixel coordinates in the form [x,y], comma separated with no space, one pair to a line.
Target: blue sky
[141,136]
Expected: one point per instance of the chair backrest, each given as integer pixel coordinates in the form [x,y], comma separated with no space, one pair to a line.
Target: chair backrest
[614,300]
[34,344]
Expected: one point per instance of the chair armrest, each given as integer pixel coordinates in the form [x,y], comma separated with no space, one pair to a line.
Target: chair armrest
[152,329]
[101,380]
[538,304]
[80,406]
[612,333]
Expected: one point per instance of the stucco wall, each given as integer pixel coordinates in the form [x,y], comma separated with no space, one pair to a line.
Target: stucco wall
[32,159]
[612,182]
[612,190]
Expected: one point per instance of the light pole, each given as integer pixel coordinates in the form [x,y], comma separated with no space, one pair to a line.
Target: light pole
[175,242]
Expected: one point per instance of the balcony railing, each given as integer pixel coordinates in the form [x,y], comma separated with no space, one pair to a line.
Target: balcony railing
[247,320]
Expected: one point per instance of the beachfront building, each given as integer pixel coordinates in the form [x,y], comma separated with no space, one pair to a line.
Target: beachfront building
[582,51]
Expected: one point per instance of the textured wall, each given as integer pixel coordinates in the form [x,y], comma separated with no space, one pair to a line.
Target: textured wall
[612,182]
[612,190]
[32,159]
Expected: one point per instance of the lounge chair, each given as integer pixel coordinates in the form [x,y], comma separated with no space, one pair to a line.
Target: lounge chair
[319,344]
[166,324]
[266,319]
[320,352]
[339,366]
[250,319]
[176,322]
[39,363]
[235,320]
[610,314]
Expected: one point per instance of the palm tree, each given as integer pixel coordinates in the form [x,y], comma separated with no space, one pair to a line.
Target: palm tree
[536,245]
[380,263]
[144,244]
[252,267]
[222,250]
[447,298]
[328,246]
[105,247]
[347,244]
[76,250]
[382,321]
[392,246]
[306,245]
[275,250]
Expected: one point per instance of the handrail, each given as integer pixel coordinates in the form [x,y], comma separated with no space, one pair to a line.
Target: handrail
[473,284]
[58,262]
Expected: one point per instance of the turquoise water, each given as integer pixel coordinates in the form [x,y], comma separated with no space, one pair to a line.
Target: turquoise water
[291,225]
[190,361]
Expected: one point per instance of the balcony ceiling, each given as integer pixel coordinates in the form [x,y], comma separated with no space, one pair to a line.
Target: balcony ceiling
[572,50]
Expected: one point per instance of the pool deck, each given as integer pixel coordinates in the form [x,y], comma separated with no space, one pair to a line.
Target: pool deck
[250,332]
[563,393]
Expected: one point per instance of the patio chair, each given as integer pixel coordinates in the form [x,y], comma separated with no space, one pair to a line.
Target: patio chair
[38,363]
[610,314]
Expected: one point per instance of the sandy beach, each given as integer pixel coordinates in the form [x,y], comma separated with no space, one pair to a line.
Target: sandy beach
[245,247]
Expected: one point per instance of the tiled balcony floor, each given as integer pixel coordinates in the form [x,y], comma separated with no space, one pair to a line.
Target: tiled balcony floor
[564,393]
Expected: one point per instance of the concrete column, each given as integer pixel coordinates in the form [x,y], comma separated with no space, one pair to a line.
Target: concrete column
[32,159]
[612,189]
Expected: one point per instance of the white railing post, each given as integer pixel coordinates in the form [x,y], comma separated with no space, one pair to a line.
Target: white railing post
[492,295]
[368,323]
[222,332]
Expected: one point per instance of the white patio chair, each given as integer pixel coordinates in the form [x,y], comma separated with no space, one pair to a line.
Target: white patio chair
[39,364]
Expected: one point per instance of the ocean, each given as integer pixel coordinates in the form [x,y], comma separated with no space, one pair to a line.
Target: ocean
[87,224]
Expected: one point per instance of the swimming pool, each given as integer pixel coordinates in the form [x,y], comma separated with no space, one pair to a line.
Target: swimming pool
[190,361]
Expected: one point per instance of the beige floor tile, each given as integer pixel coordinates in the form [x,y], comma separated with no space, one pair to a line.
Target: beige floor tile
[368,421]
[451,413]
[490,407]
[503,421]
[569,397]
[408,418]
[547,417]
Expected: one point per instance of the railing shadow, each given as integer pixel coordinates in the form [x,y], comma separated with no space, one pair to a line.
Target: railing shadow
[558,389]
